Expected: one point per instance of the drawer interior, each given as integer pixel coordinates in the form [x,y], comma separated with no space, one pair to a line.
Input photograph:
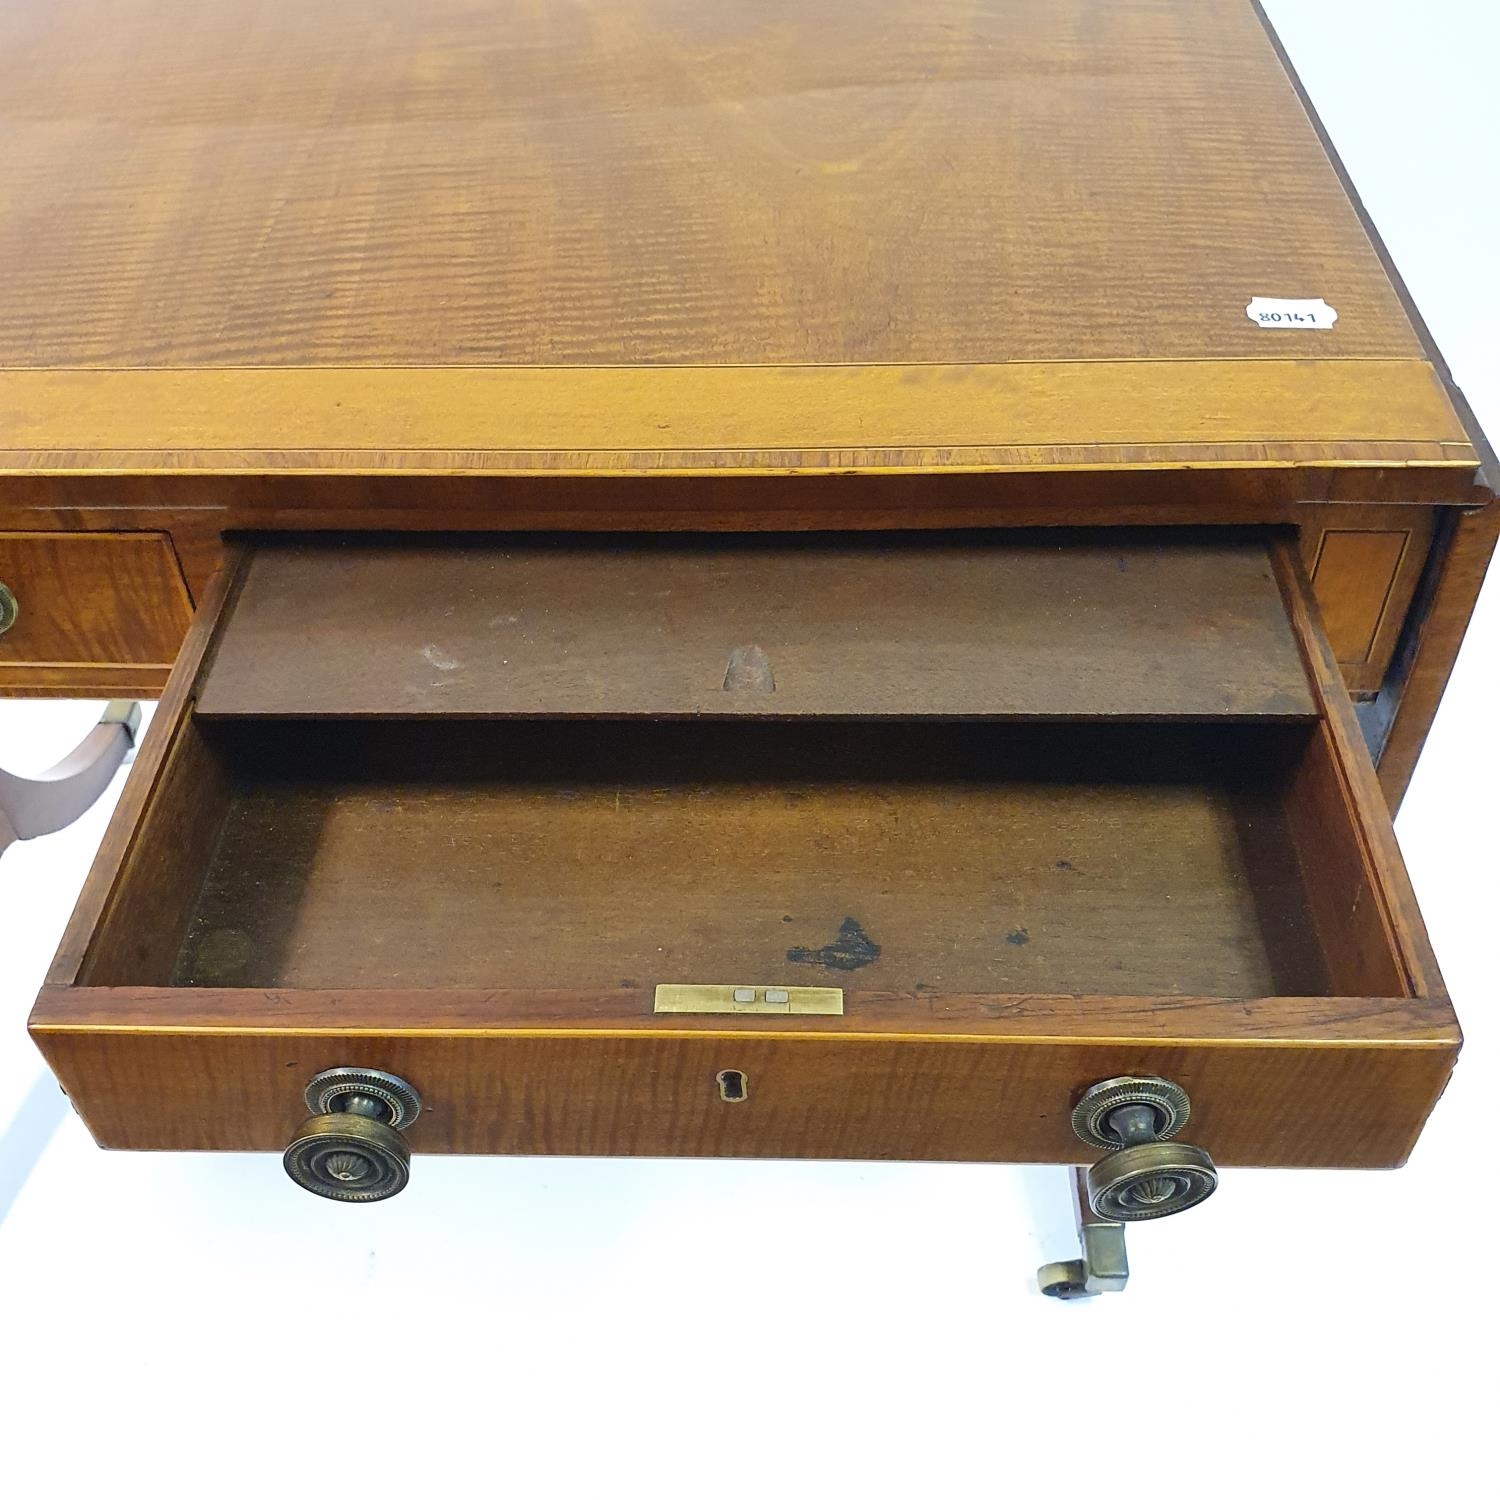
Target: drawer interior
[1045,810]
[890,858]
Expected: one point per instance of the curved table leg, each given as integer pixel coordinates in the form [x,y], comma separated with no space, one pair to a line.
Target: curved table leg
[30,807]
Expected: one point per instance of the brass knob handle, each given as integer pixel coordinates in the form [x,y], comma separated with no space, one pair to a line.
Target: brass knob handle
[1146,1175]
[9,609]
[352,1149]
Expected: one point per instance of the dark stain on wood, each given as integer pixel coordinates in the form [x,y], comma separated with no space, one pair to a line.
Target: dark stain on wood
[851,949]
[368,855]
[1018,937]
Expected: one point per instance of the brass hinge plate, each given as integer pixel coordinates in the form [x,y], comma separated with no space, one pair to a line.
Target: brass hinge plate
[747,1000]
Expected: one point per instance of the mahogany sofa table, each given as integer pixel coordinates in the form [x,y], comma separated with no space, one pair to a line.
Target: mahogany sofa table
[735,579]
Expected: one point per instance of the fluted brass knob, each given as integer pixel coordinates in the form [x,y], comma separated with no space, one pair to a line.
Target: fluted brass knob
[9,609]
[1146,1174]
[352,1149]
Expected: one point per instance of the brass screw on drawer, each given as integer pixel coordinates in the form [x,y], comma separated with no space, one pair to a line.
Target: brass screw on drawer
[9,609]
[352,1149]
[1146,1175]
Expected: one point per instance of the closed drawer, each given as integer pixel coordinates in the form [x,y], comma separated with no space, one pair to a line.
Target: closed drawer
[1041,812]
[1365,566]
[97,613]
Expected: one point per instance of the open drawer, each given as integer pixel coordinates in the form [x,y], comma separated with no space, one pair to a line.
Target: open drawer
[967,824]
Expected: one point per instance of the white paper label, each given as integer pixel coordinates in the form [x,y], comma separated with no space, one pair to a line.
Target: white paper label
[1290,312]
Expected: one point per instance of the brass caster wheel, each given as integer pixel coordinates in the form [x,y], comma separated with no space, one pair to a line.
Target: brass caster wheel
[1064,1279]
[1146,1174]
[1102,1266]
[352,1149]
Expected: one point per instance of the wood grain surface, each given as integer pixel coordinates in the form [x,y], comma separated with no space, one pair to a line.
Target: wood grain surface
[106,606]
[625,182]
[1366,563]
[972,859]
[1273,1083]
[142,801]
[1353,575]
[1090,625]
[1355,805]
[660,237]
[173,839]
[704,419]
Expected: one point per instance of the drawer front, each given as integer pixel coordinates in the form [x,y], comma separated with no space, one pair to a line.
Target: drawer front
[1015,904]
[1365,569]
[98,613]
[1278,1082]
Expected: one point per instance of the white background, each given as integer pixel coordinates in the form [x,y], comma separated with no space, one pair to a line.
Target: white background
[195,1325]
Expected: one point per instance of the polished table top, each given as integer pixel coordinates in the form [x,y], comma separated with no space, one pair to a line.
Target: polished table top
[681,236]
